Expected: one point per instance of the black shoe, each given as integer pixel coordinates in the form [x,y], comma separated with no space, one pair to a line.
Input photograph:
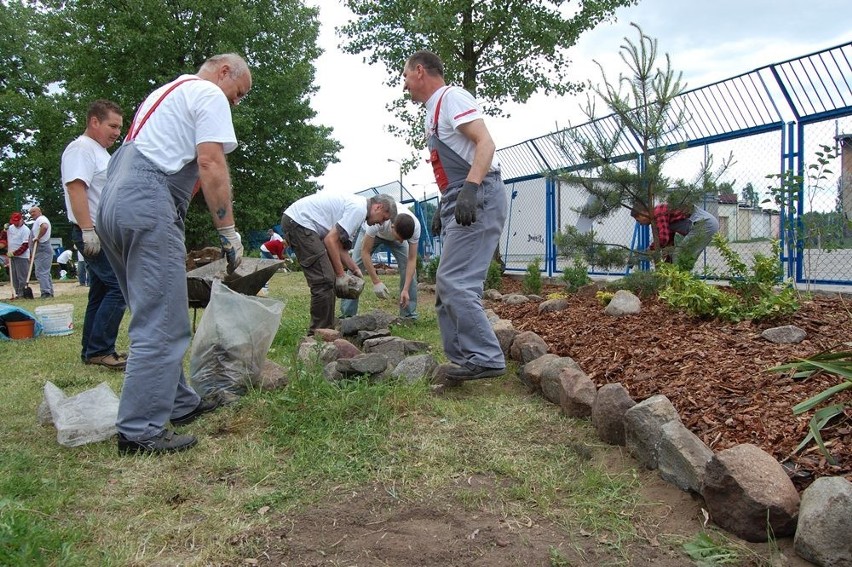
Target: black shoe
[166,442]
[202,408]
[473,372]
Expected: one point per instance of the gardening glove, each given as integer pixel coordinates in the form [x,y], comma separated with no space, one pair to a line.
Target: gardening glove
[91,242]
[232,246]
[466,204]
[436,220]
[381,290]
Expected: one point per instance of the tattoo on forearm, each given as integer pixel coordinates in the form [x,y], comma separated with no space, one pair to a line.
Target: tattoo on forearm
[221,212]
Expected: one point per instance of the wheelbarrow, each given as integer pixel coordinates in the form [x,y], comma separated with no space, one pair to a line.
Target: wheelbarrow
[248,278]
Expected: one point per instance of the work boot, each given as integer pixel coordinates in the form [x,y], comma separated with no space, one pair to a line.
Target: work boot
[472,372]
[111,361]
[166,442]
[202,408]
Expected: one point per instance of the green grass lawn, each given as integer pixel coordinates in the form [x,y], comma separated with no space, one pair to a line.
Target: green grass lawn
[281,451]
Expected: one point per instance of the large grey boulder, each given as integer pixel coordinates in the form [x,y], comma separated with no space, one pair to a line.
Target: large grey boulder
[744,487]
[505,332]
[313,352]
[788,334]
[682,457]
[544,369]
[492,295]
[417,367]
[515,299]
[824,534]
[554,381]
[552,305]
[527,347]
[642,428]
[578,393]
[392,347]
[372,364]
[623,303]
[365,322]
[611,403]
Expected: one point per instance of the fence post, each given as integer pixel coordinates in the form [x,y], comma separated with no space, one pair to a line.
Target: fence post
[549,226]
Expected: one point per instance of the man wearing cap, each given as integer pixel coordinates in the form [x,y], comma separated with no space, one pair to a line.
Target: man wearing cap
[84,166]
[18,235]
[43,251]
[179,137]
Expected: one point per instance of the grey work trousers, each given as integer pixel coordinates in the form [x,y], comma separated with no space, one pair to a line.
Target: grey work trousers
[466,333]
[41,266]
[19,267]
[142,235]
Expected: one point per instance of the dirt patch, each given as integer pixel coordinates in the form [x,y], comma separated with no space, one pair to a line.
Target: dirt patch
[369,527]
[714,373]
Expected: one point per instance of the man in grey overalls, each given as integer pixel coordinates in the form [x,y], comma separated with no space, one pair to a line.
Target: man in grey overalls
[180,135]
[472,211]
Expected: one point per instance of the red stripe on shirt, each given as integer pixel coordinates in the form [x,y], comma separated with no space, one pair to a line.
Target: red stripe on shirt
[465,113]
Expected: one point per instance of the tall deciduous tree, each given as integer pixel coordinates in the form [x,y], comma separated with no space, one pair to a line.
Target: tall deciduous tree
[122,50]
[498,50]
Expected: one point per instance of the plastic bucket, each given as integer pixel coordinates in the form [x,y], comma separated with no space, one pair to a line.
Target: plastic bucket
[20,329]
[57,319]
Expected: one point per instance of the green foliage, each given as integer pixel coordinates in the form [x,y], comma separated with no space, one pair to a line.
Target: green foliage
[706,551]
[494,277]
[532,279]
[122,51]
[682,290]
[584,248]
[757,296]
[431,270]
[647,114]
[758,287]
[497,51]
[641,284]
[836,363]
[576,275]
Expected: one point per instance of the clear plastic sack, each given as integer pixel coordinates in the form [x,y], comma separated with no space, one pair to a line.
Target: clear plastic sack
[230,345]
[87,417]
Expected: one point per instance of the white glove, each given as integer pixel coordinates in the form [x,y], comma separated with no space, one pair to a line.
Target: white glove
[91,242]
[381,290]
[232,246]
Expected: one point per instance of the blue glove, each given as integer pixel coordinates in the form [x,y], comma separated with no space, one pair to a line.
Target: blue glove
[232,246]
[466,204]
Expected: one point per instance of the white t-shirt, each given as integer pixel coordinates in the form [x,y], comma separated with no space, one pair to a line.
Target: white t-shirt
[276,236]
[65,257]
[36,229]
[322,210]
[197,111]
[86,160]
[17,236]
[385,229]
[458,107]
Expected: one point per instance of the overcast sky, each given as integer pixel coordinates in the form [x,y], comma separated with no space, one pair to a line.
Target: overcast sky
[707,41]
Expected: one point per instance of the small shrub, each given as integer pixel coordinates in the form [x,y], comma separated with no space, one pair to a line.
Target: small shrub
[431,270]
[557,295]
[641,284]
[532,279]
[682,290]
[576,276]
[494,277]
[604,297]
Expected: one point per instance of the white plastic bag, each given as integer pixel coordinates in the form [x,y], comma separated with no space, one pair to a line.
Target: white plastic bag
[231,343]
[88,417]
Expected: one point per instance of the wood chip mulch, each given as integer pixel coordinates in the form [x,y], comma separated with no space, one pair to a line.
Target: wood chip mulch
[714,373]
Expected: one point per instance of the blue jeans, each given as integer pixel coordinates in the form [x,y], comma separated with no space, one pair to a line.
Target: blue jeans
[349,307]
[106,303]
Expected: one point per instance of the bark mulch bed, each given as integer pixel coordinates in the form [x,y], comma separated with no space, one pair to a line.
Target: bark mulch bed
[714,373]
